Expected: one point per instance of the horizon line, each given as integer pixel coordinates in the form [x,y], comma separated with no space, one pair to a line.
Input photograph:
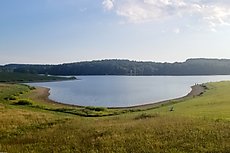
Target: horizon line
[119,59]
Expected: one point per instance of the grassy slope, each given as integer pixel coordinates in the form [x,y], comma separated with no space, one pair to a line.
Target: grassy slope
[214,104]
[200,124]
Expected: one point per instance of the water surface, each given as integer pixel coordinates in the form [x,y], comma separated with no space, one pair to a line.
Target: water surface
[121,91]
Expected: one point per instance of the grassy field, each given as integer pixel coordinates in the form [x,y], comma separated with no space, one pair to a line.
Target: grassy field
[14,77]
[198,124]
[214,104]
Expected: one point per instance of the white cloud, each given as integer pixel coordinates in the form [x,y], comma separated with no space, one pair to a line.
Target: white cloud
[177,30]
[213,13]
[108,4]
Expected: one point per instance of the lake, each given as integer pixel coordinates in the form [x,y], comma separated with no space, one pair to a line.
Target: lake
[122,91]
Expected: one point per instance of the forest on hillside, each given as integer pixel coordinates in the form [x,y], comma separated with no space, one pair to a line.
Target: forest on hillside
[197,66]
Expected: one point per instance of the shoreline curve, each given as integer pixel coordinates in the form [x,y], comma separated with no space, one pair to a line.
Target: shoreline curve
[196,90]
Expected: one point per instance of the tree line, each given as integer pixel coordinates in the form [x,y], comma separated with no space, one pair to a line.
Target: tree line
[199,66]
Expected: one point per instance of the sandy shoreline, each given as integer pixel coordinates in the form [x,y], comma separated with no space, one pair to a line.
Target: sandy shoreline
[43,93]
[197,90]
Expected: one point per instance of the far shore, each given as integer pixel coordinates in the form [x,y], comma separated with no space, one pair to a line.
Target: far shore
[197,90]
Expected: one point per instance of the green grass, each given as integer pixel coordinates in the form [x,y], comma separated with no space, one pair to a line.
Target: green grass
[213,104]
[24,102]
[199,125]
[11,92]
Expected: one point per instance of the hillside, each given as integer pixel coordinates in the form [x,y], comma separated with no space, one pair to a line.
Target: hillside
[125,67]
[31,123]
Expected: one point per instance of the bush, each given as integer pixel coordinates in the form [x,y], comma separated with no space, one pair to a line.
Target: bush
[32,88]
[24,102]
[11,97]
[92,108]
[16,94]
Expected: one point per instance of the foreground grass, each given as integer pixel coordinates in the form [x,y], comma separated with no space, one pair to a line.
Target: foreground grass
[158,134]
[199,124]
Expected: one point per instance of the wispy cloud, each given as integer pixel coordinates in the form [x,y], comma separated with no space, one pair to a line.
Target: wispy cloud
[108,4]
[177,30]
[83,9]
[213,13]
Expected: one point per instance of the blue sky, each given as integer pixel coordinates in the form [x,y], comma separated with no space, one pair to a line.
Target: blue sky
[60,31]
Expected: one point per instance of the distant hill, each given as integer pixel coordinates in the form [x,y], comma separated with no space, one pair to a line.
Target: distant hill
[198,66]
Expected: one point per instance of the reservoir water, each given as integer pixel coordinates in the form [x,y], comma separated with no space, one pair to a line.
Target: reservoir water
[121,91]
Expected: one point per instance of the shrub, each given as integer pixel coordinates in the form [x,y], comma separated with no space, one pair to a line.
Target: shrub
[16,94]
[11,97]
[21,92]
[92,108]
[24,102]
[32,88]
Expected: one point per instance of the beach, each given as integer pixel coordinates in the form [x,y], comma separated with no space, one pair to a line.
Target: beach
[41,94]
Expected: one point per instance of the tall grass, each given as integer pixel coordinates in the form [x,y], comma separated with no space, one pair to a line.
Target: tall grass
[158,134]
